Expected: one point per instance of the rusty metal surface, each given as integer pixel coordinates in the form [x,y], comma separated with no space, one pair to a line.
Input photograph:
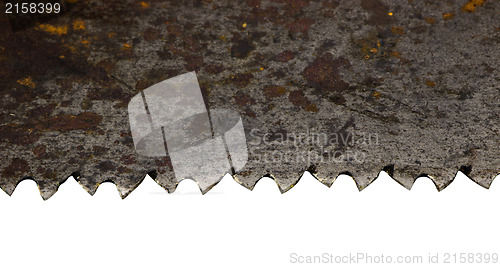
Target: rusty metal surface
[419,78]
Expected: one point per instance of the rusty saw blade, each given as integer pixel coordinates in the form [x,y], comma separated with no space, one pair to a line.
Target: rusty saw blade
[109,91]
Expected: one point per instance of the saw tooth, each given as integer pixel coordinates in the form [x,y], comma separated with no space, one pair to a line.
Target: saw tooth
[125,178]
[421,183]
[22,183]
[48,188]
[204,186]
[494,184]
[346,182]
[363,179]
[69,186]
[362,172]
[91,179]
[405,177]
[328,175]
[325,176]
[8,186]
[147,185]
[126,185]
[13,170]
[438,188]
[85,180]
[383,180]
[249,177]
[287,178]
[482,176]
[205,172]
[45,189]
[163,174]
[263,179]
[107,182]
[463,182]
[48,184]
[166,180]
[441,177]
[207,183]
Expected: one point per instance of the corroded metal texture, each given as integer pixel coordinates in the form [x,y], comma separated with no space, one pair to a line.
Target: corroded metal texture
[410,87]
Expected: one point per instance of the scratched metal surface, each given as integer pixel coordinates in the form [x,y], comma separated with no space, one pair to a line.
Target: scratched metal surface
[419,77]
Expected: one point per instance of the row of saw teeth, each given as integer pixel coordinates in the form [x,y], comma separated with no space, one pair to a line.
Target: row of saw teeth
[227,182]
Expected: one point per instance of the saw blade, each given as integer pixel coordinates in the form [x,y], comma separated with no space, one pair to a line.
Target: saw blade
[268,88]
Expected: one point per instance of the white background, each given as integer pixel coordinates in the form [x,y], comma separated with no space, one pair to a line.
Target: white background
[232,226]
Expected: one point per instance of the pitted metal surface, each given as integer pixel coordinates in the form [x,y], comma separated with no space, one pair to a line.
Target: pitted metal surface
[330,87]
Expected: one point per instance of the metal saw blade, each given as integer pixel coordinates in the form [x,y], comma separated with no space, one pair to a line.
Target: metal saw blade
[330,87]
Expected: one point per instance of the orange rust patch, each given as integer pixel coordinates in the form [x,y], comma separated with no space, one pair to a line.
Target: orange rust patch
[286,56]
[151,34]
[397,30]
[472,5]
[71,48]
[312,108]
[396,54]
[376,94]
[39,150]
[124,170]
[79,25]
[323,73]
[241,79]
[242,49]
[370,46]
[430,20]
[28,82]
[82,121]
[430,83]
[52,29]
[448,16]
[273,91]
[19,134]
[144,5]
[16,167]
[300,26]
[49,174]
[243,99]
[298,98]
[126,46]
